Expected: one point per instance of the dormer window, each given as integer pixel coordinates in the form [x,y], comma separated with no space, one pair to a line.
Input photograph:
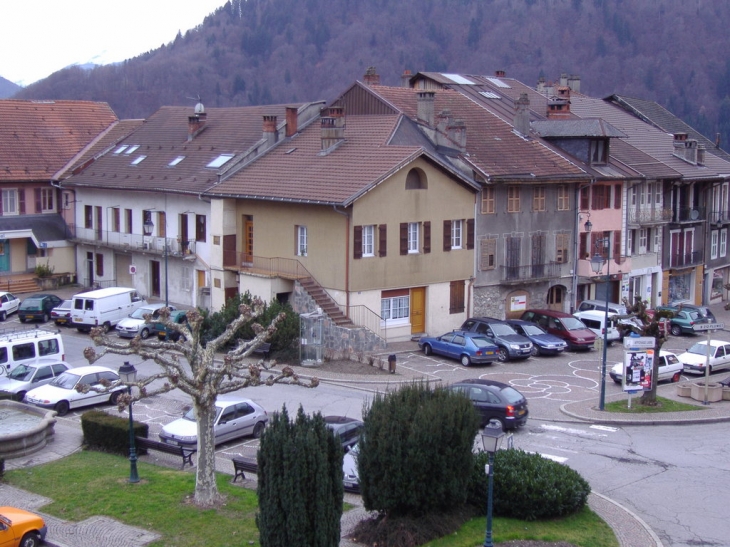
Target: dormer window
[220,161]
[599,151]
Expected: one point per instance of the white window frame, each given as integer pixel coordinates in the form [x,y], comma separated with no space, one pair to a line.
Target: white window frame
[714,240]
[368,240]
[456,232]
[47,199]
[396,310]
[657,239]
[633,196]
[630,243]
[413,237]
[10,197]
[301,241]
[723,242]
[643,240]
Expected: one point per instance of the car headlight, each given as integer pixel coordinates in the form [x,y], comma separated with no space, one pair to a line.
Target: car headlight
[514,346]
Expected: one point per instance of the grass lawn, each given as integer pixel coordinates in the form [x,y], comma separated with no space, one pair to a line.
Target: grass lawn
[92,483]
[665,405]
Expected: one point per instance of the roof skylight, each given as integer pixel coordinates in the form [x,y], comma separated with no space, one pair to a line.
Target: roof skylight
[220,161]
[131,149]
[177,160]
[120,149]
[489,95]
[458,79]
[138,160]
[498,83]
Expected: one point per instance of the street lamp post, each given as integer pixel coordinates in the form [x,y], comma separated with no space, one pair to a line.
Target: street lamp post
[597,263]
[491,439]
[148,227]
[128,375]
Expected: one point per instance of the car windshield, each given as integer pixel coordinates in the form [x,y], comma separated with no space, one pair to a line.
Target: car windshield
[532,330]
[698,349]
[31,304]
[480,341]
[512,395]
[671,359]
[139,313]
[21,373]
[501,329]
[65,305]
[571,323]
[190,414]
[66,380]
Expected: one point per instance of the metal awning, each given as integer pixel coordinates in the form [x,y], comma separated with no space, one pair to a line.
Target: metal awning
[44,230]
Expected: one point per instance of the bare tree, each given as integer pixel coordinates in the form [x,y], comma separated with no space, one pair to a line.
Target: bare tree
[194,369]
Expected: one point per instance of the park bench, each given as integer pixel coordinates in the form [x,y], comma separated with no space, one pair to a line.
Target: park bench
[263,349]
[185,453]
[243,463]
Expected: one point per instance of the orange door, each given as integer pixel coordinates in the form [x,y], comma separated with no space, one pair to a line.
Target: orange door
[418,310]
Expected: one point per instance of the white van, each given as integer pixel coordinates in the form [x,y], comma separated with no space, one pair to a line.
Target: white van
[27,345]
[600,305]
[596,321]
[104,307]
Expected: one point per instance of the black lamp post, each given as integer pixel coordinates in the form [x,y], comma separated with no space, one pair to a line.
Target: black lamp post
[597,262]
[491,439]
[128,375]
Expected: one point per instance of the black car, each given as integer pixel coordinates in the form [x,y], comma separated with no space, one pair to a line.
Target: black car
[347,429]
[495,402]
[37,307]
[543,343]
[511,345]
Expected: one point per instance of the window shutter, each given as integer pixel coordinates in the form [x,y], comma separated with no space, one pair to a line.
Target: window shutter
[427,236]
[583,245]
[470,233]
[21,201]
[357,246]
[487,251]
[456,297]
[447,235]
[404,238]
[594,241]
[584,198]
[382,240]
[617,245]
[38,204]
[100,265]
[617,194]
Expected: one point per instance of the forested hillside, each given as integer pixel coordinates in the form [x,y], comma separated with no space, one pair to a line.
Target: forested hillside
[262,51]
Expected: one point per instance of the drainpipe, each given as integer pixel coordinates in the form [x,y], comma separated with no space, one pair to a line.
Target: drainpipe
[347,258]
[576,245]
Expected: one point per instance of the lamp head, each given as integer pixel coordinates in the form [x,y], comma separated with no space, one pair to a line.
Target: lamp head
[597,263]
[128,373]
[492,436]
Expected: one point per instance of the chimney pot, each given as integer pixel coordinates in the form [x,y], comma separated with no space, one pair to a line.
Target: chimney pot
[406,78]
[499,73]
[196,123]
[333,127]
[426,101]
[371,76]
[522,115]
[270,133]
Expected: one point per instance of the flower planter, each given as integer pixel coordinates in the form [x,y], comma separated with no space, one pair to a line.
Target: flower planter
[726,394]
[684,390]
[714,392]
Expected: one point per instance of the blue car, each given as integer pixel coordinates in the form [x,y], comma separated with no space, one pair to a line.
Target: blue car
[467,347]
[543,343]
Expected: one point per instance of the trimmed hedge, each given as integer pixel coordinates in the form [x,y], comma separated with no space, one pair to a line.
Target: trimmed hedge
[528,486]
[107,433]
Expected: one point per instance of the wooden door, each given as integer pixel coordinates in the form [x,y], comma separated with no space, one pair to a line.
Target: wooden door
[418,310]
[248,239]
[155,278]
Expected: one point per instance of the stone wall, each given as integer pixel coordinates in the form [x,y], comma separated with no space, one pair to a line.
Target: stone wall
[490,301]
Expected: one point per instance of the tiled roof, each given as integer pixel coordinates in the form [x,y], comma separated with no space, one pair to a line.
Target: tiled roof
[38,138]
[297,170]
[164,137]
[109,138]
[491,143]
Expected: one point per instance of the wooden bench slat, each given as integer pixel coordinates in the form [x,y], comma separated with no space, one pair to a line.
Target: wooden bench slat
[241,464]
[185,453]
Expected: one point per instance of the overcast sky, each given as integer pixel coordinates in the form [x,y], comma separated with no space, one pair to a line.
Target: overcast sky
[39,37]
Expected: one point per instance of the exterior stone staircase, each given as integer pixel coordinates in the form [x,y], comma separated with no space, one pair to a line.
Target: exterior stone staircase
[18,285]
[325,302]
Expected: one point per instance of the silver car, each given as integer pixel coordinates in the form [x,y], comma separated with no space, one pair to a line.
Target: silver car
[234,418]
[134,324]
[25,377]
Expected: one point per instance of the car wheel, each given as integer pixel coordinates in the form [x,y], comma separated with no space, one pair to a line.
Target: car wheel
[502,354]
[114,398]
[535,351]
[465,360]
[144,334]
[495,422]
[258,429]
[427,350]
[22,318]
[617,381]
[61,408]
[3,315]
[106,327]
[45,318]
[30,539]
[677,377]
[19,396]
[676,330]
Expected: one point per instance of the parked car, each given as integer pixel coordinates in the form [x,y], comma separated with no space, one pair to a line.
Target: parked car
[704,311]
[8,304]
[346,429]
[495,402]
[37,307]
[511,345]
[61,314]
[600,305]
[695,357]
[20,528]
[135,324]
[350,477]
[176,316]
[596,321]
[467,347]
[27,376]
[61,393]
[684,320]
[670,368]
[563,325]
[234,418]
[543,343]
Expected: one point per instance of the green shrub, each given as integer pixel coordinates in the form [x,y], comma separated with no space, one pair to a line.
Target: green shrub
[108,433]
[415,452]
[44,270]
[300,487]
[528,486]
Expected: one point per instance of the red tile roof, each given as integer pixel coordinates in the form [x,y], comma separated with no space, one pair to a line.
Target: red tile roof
[39,138]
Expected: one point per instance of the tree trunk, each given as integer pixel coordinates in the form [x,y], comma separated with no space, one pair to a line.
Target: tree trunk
[206,489]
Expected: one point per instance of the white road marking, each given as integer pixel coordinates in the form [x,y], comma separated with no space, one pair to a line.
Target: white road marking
[605,428]
[568,430]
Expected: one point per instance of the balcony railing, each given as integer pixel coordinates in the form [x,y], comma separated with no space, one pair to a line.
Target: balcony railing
[688,214]
[134,242]
[648,215]
[720,217]
[533,272]
[683,260]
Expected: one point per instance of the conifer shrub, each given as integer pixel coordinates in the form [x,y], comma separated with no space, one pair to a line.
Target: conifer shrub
[527,486]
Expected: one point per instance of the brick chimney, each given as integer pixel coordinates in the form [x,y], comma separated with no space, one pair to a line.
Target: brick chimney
[196,123]
[456,132]
[371,76]
[333,127]
[405,78]
[292,121]
[499,73]
[426,101]
[522,115]
[270,134]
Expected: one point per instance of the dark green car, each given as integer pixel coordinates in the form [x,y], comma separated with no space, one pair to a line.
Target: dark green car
[177,316]
[684,320]
[37,307]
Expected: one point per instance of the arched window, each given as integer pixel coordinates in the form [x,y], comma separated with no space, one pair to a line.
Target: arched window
[416,180]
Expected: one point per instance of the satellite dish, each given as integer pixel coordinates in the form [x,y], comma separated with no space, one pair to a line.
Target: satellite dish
[694,214]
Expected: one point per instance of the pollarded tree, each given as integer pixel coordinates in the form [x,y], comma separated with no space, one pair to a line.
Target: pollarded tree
[300,487]
[195,370]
